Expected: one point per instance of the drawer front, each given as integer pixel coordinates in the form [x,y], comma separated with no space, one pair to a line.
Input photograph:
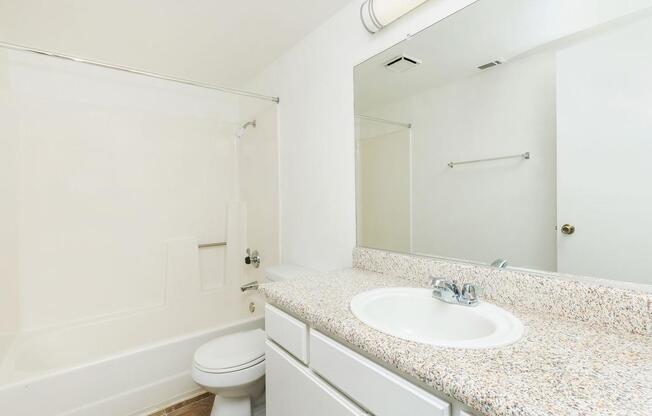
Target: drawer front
[294,390]
[375,388]
[463,413]
[288,332]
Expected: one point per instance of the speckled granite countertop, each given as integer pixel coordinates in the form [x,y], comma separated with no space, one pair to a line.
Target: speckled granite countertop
[558,368]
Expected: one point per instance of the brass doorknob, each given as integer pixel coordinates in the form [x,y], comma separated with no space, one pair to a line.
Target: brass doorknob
[567,229]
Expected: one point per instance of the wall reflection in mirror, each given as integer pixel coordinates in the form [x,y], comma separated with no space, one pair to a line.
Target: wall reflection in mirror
[528,138]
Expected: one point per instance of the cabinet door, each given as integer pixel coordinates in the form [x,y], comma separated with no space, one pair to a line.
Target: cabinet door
[294,390]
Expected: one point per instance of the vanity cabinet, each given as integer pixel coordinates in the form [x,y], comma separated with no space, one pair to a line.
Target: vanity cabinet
[309,373]
[294,390]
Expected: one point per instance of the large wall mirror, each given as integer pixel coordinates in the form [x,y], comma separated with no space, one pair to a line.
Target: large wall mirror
[517,130]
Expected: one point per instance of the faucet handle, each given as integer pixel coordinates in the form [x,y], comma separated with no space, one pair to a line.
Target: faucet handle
[469,293]
[440,283]
[443,283]
[253,258]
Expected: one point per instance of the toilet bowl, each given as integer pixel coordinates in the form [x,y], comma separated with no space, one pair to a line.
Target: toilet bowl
[233,368]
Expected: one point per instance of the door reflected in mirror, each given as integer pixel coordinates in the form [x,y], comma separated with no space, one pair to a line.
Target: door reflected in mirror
[516,130]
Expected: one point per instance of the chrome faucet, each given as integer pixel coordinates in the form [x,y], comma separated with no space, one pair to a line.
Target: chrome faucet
[249,286]
[447,291]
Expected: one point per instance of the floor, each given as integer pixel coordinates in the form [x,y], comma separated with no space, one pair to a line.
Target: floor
[201,406]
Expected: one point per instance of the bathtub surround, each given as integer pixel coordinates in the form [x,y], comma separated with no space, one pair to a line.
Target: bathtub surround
[111,182]
[9,151]
[258,185]
[565,364]
[112,190]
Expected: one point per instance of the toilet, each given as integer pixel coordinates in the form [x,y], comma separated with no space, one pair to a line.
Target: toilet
[233,366]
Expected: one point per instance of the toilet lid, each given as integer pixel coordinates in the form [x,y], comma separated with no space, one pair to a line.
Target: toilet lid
[231,352]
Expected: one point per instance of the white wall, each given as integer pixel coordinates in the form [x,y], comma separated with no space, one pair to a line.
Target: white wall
[315,82]
[502,209]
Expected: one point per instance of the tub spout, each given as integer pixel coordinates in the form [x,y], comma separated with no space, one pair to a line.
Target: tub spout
[249,286]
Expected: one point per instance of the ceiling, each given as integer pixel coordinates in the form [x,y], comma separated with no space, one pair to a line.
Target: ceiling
[219,41]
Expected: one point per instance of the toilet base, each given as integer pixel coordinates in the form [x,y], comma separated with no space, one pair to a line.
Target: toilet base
[231,406]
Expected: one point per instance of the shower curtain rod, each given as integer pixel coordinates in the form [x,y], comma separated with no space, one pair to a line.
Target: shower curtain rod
[227,90]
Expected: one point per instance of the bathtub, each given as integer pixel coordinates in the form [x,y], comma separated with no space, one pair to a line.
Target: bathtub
[131,383]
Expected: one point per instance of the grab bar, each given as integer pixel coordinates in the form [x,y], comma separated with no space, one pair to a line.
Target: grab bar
[525,156]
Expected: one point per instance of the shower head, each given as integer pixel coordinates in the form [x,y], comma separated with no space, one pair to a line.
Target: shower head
[241,129]
[249,123]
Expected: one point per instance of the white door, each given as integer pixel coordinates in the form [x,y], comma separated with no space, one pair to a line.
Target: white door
[604,154]
[294,390]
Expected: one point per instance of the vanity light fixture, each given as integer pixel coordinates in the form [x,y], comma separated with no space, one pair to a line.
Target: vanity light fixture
[376,14]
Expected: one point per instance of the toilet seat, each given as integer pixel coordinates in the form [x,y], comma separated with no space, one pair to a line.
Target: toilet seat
[240,367]
[233,368]
[230,353]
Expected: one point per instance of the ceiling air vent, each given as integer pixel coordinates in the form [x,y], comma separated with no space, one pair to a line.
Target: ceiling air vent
[402,63]
[491,64]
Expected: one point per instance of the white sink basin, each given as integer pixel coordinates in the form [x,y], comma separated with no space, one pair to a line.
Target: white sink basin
[413,314]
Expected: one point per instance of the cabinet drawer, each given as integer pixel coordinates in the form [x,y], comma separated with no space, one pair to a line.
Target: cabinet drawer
[378,390]
[288,332]
[294,390]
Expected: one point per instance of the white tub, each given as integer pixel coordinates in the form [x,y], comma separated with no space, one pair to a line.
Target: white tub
[136,382]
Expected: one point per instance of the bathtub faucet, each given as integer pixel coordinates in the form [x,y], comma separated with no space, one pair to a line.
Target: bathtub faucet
[250,286]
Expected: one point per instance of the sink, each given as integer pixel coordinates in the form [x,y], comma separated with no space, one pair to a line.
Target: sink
[413,314]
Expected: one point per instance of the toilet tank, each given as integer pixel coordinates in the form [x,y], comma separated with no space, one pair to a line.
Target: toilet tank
[286,272]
